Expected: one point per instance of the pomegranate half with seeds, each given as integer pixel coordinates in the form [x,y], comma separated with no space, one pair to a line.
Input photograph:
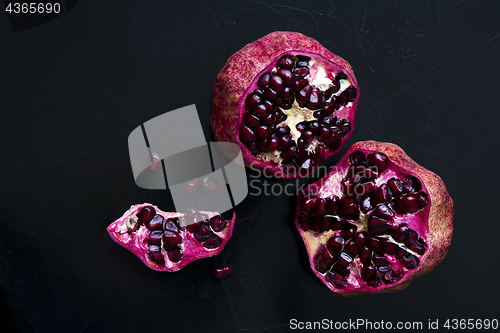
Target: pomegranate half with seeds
[169,241]
[375,222]
[287,101]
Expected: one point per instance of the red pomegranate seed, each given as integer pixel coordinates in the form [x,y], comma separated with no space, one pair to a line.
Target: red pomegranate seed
[286,75]
[212,242]
[156,223]
[175,255]
[276,82]
[304,222]
[146,214]
[263,82]
[253,100]
[263,132]
[286,62]
[251,120]
[396,186]
[217,223]
[203,232]
[171,224]
[247,135]
[379,160]
[155,237]
[221,271]
[171,240]
[316,99]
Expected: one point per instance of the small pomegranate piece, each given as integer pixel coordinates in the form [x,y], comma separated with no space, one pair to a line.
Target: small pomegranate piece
[221,271]
[168,241]
[378,240]
[288,102]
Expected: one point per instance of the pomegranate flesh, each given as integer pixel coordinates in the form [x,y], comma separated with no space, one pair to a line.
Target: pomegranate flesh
[375,222]
[287,101]
[169,241]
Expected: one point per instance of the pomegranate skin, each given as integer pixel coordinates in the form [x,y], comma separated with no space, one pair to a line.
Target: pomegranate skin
[239,77]
[137,243]
[436,226]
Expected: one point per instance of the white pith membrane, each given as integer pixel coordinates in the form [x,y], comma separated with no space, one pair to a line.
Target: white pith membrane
[137,240]
[315,241]
[319,78]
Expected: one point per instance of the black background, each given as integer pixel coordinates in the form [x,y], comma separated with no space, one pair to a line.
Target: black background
[74,88]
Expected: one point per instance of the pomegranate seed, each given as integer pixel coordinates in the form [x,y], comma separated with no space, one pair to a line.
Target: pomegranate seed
[304,222]
[332,276]
[154,237]
[319,154]
[325,224]
[308,203]
[175,255]
[366,205]
[379,160]
[301,143]
[250,120]
[315,224]
[263,82]
[156,223]
[400,234]
[287,95]
[380,260]
[368,272]
[389,247]
[272,143]
[383,194]
[348,232]
[420,246]
[365,188]
[171,240]
[203,232]
[146,214]
[308,135]
[301,127]
[365,254]
[247,135]
[384,212]
[299,84]
[344,271]
[259,111]
[253,148]
[253,100]
[212,242]
[281,131]
[335,243]
[322,206]
[335,86]
[302,61]
[411,238]
[357,157]
[344,259]
[341,76]
[276,83]
[409,203]
[289,153]
[323,132]
[286,76]
[313,126]
[328,93]
[269,119]
[300,71]
[386,274]
[351,248]
[411,184]
[396,186]
[285,141]
[352,93]
[271,94]
[375,245]
[157,257]
[303,95]
[342,99]
[316,99]
[217,223]
[324,260]
[360,238]
[263,132]
[286,62]
[349,208]
[334,205]
[422,200]
[192,228]
[221,271]
[171,224]
[328,110]
[318,114]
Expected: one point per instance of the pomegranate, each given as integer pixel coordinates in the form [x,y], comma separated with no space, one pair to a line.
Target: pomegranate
[169,241]
[375,222]
[287,101]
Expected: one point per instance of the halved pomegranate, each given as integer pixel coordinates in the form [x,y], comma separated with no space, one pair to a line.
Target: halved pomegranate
[375,222]
[287,101]
[169,241]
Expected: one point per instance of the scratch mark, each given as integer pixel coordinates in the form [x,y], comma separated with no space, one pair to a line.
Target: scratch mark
[305,11]
[166,292]
[64,159]
[277,11]
[364,18]
[439,16]
[396,7]
[112,97]
[450,157]
[93,311]
[54,270]
[213,17]
[233,310]
[399,91]
[353,20]
[136,12]
[33,234]
[458,3]
[152,54]
[489,40]
[334,7]
[374,42]
[406,32]
[172,18]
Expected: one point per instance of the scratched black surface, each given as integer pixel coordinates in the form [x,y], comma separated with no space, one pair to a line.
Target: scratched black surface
[74,88]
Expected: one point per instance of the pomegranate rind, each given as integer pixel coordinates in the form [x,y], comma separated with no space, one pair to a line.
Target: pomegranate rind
[234,83]
[437,228]
[137,244]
